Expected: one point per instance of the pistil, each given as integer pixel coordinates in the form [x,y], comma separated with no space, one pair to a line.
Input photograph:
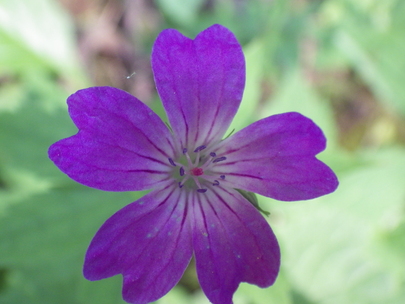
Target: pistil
[197,171]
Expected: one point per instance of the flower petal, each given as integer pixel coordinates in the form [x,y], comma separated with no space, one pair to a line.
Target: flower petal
[275,157]
[232,243]
[122,145]
[148,242]
[200,82]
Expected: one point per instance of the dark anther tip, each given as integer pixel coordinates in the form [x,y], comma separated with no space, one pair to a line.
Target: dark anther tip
[219,159]
[198,149]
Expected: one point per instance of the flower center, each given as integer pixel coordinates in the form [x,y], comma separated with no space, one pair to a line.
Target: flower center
[196,169]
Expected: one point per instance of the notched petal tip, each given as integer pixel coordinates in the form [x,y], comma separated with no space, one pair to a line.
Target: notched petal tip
[122,145]
[276,157]
[233,243]
[200,82]
[54,153]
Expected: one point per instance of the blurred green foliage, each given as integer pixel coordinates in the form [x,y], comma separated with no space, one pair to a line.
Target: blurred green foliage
[340,62]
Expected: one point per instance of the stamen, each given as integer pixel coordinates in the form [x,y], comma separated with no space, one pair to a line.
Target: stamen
[201,190]
[219,159]
[200,148]
[187,156]
[181,171]
[216,183]
[197,159]
[172,162]
[222,176]
[197,182]
[208,162]
[181,184]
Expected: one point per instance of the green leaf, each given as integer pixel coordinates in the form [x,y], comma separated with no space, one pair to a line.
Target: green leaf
[182,12]
[295,94]
[26,134]
[370,37]
[176,296]
[11,95]
[38,34]
[279,293]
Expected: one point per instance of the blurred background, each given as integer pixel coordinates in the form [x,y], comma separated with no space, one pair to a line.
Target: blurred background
[340,62]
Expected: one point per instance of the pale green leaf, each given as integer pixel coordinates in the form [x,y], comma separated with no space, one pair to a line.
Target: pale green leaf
[37,33]
[182,12]
[296,95]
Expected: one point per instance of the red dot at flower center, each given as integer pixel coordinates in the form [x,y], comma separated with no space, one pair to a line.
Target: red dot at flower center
[197,171]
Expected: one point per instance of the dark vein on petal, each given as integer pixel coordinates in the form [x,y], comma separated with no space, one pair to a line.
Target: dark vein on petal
[244,175]
[147,243]
[147,171]
[207,231]
[77,160]
[280,133]
[197,64]
[138,154]
[140,131]
[171,146]
[134,221]
[236,215]
[208,139]
[186,125]
[218,217]
[174,248]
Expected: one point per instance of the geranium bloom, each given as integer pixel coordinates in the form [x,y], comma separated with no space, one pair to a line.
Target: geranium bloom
[193,208]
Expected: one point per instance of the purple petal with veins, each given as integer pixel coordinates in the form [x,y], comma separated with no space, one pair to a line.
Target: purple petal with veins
[148,242]
[233,243]
[104,154]
[275,157]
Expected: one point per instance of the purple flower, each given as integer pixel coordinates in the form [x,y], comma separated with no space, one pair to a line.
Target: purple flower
[193,208]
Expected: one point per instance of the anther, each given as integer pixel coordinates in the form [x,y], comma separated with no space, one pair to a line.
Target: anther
[201,190]
[180,185]
[200,148]
[181,171]
[216,183]
[187,156]
[213,154]
[219,159]
[222,176]
[172,162]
